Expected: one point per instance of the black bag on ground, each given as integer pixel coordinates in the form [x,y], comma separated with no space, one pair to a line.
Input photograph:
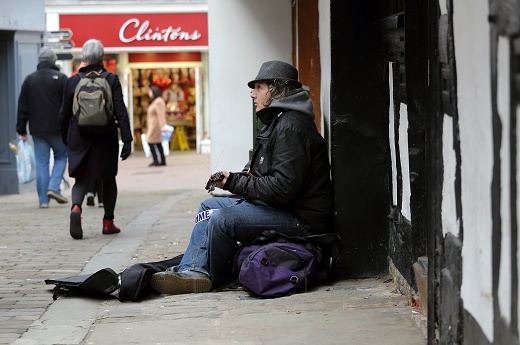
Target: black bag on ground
[104,281]
[130,284]
[134,279]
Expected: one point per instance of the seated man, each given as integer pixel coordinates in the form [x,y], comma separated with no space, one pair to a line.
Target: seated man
[287,187]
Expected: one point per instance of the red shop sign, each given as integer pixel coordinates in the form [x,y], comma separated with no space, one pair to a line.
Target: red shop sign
[139,30]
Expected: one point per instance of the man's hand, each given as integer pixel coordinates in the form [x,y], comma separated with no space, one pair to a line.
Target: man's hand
[220,183]
[23,137]
[126,150]
[216,179]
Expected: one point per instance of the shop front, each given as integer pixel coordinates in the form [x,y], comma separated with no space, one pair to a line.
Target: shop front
[168,50]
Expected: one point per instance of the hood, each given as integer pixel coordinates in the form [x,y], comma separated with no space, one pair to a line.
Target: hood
[47,64]
[299,100]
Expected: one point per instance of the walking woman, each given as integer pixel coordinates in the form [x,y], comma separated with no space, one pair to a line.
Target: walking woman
[94,155]
[155,121]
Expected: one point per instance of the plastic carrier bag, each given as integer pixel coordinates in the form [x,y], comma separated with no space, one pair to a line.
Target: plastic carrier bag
[166,132]
[146,148]
[25,162]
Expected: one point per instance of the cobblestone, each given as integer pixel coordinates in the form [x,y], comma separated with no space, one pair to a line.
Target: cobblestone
[156,209]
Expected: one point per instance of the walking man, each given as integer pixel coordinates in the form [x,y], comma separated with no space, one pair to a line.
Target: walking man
[39,105]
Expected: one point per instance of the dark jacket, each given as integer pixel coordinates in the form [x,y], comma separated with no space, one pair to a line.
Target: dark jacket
[40,101]
[100,151]
[290,165]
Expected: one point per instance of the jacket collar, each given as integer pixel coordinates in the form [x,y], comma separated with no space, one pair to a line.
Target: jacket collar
[48,65]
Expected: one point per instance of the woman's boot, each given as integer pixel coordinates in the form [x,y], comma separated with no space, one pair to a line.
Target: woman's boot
[75,223]
[109,227]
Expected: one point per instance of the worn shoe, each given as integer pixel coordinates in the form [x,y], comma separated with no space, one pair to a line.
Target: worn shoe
[57,196]
[154,164]
[109,227]
[44,205]
[90,199]
[172,269]
[175,283]
[75,223]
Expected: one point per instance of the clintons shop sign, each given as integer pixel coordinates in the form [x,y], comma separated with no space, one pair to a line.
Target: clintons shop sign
[134,30]
[139,30]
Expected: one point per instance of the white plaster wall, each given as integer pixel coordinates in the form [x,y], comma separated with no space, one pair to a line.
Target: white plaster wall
[325,60]
[242,35]
[472,51]
[503,98]
[402,144]
[442,7]
[448,209]
[405,161]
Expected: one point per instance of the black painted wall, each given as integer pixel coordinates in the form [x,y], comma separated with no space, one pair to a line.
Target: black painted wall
[359,126]
[366,36]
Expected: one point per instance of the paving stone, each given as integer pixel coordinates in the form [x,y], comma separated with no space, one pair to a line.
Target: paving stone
[156,213]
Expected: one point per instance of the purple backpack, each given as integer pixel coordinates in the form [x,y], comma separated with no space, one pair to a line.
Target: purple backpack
[276,265]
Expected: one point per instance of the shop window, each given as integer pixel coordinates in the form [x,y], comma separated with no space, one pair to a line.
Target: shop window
[178,91]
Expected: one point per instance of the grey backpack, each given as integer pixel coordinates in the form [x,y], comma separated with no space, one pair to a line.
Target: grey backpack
[93,108]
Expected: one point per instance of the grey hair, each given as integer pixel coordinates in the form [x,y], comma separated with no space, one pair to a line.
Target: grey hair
[279,88]
[93,52]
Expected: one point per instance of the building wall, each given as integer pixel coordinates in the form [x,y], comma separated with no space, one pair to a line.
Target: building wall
[486,53]
[242,35]
[360,157]
[476,139]
[325,59]
[16,17]
[20,32]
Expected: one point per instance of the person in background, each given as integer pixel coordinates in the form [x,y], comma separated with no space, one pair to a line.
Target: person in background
[94,155]
[287,187]
[39,105]
[155,121]
[95,188]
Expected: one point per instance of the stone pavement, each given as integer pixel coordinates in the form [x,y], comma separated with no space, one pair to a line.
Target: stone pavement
[156,209]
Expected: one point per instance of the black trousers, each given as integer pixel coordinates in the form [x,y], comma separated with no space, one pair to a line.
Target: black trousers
[80,189]
[153,149]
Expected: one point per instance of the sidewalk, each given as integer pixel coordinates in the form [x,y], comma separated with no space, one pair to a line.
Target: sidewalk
[155,210]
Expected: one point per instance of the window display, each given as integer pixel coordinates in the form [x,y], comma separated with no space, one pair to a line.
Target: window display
[178,87]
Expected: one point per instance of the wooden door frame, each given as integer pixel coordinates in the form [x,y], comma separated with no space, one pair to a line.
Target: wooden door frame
[306,50]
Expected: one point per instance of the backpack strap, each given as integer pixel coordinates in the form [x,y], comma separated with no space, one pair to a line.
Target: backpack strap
[269,236]
[321,241]
[94,74]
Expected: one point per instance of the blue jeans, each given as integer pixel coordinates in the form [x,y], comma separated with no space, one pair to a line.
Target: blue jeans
[214,240]
[42,151]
